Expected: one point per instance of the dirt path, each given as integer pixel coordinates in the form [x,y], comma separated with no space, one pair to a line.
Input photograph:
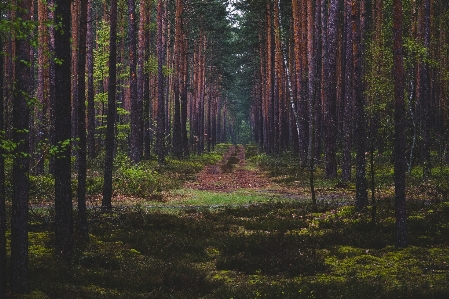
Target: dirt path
[229,174]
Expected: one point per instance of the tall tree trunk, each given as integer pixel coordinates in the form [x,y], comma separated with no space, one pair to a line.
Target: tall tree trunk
[63,190]
[75,5]
[399,128]
[177,131]
[330,81]
[312,60]
[90,82]
[19,222]
[82,145]
[136,103]
[160,138]
[3,274]
[425,94]
[184,65]
[361,198]
[42,111]
[110,130]
[348,94]
[52,87]
[141,73]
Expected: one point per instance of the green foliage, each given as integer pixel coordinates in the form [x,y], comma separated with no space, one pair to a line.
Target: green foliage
[136,180]
[42,188]
[273,250]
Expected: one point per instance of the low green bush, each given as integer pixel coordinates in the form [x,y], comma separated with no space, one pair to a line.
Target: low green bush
[136,180]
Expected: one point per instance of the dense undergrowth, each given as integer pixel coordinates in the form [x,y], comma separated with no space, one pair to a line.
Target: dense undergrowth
[270,248]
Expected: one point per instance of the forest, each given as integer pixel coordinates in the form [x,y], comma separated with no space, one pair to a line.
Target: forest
[224,148]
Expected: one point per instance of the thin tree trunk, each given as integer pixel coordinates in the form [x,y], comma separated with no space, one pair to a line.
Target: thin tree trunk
[360,123]
[160,138]
[330,81]
[75,4]
[3,274]
[141,73]
[311,57]
[110,130]
[348,94]
[425,95]
[90,82]
[136,103]
[82,145]
[399,126]
[20,180]
[177,131]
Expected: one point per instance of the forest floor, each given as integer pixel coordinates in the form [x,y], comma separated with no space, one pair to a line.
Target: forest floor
[238,230]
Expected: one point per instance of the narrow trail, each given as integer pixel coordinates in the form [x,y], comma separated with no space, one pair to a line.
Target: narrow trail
[230,174]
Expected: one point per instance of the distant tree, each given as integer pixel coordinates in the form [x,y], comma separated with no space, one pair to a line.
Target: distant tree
[136,103]
[110,130]
[142,88]
[177,131]
[21,113]
[425,92]
[90,82]
[161,51]
[399,128]
[348,101]
[63,190]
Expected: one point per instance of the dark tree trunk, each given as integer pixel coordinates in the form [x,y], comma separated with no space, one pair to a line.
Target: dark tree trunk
[82,146]
[90,83]
[348,94]
[136,104]
[425,95]
[3,275]
[330,102]
[19,222]
[399,128]
[160,136]
[361,198]
[63,191]
[110,130]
